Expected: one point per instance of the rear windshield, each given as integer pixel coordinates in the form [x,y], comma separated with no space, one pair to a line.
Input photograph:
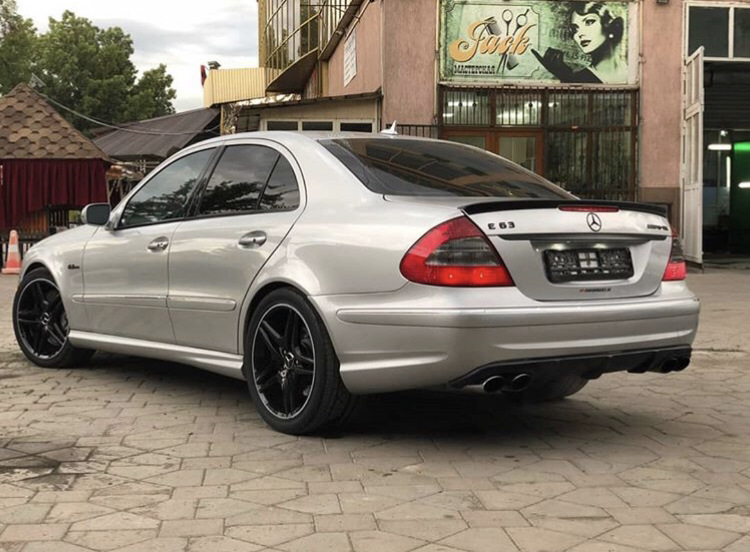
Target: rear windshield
[428,168]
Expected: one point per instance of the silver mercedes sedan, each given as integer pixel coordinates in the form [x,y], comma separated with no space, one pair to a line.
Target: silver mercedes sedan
[323,267]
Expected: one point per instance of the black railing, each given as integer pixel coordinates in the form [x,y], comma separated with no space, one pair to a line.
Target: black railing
[24,244]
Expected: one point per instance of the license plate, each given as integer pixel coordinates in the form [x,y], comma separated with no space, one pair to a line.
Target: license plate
[581,265]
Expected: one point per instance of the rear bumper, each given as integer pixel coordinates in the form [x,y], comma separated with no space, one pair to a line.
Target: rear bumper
[672,359]
[420,337]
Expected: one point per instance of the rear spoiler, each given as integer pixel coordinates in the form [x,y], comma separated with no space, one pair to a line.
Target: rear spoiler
[525,204]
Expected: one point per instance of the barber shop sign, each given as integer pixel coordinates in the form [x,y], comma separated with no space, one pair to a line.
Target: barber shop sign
[543,41]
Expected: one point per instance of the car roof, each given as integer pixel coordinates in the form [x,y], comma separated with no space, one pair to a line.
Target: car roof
[300,137]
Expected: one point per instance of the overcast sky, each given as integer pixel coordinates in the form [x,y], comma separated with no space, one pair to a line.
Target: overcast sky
[183,34]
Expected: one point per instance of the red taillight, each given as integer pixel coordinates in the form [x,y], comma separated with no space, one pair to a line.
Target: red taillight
[676,267]
[589,209]
[455,253]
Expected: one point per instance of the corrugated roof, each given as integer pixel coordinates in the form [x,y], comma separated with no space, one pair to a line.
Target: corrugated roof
[159,137]
[30,128]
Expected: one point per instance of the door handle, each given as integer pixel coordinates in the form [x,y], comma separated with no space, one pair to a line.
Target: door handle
[159,244]
[253,239]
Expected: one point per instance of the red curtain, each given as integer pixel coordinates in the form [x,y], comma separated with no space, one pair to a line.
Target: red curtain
[30,185]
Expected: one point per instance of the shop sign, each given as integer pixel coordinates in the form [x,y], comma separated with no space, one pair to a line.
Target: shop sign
[350,57]
[501,41]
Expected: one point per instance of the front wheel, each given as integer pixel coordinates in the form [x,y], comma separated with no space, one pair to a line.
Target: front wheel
[291,367]
[41,324]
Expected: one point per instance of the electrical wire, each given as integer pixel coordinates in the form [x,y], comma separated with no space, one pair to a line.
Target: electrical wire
[152,132]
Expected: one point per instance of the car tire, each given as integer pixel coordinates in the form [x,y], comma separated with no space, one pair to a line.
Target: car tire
[41,325]
[293,374]
[552,390]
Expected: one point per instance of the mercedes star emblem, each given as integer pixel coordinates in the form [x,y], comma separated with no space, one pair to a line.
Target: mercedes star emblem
[594,222]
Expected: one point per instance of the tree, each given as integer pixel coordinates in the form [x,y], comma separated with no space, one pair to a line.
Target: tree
[152,95]
[85,68]
[17,45]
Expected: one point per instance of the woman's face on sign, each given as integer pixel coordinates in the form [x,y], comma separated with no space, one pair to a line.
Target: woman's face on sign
[588,32]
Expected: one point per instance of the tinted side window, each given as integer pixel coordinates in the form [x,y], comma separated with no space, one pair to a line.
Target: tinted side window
[282,192]
[165,197]
[238,180]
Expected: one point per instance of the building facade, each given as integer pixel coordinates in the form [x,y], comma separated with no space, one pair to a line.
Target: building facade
[604,98]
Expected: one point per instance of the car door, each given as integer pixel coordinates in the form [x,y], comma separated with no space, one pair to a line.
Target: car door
[125,266]
[248,206]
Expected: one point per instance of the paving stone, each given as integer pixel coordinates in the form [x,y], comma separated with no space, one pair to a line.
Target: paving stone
[169,509]
[315,504]
[430,531]
[215,508]
[33,532]
[480,518]
[641,516]
[221,544]
[379,541]
[485,539]
[696,538]
[109,540]
[52,546]
[69,512]
[157,545]
[640,536]
[344,523]
[270,535]
[116,521]
[318,542]
[532,539]
[25,513]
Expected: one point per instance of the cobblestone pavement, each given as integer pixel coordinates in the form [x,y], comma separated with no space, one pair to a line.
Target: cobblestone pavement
[137,455]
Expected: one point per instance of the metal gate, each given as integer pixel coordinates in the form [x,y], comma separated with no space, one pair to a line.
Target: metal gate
[692,158]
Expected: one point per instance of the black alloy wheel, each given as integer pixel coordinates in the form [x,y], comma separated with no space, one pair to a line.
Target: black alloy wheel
[283,361]
[291,367]
[41,324]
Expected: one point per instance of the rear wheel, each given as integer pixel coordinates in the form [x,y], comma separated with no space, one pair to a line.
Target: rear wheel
[41,324]
[291,367]
[552,390]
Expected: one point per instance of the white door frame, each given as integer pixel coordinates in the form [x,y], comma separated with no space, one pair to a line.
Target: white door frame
[693,103]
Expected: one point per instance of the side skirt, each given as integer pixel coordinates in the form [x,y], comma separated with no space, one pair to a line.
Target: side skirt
[221,363]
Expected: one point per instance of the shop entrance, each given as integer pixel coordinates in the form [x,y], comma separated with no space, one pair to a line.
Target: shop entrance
[525,147]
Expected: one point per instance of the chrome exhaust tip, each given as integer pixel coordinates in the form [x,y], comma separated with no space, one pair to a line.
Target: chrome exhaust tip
[493,384]
[520,383]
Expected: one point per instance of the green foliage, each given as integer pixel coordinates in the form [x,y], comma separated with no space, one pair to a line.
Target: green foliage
[17,43]
[83,67]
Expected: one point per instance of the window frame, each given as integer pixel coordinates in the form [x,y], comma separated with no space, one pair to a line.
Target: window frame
[196,206]
[731,7]
[279,149]
[120,209]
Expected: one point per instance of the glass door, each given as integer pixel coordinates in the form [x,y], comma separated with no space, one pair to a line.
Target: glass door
[523,148]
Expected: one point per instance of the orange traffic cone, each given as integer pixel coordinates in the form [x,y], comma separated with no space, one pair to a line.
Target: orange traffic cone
[13,266]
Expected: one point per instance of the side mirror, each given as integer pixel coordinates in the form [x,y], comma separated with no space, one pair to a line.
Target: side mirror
[96,214]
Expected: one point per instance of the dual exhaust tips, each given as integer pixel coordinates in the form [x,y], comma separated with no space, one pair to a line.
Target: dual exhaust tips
[511,383]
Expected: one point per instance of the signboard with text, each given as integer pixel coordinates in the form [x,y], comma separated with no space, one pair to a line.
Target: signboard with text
[499,41]
[350,57]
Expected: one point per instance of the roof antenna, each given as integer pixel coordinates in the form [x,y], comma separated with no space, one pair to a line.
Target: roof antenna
[35,82]
[390,131]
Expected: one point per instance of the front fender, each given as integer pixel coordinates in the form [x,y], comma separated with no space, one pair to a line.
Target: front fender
[62,255]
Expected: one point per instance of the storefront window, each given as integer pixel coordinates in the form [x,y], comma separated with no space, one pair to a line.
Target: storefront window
[519,109]
[566,109]
[742,32]
[470,108]
[709,28]
[612,109]
[588,138]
